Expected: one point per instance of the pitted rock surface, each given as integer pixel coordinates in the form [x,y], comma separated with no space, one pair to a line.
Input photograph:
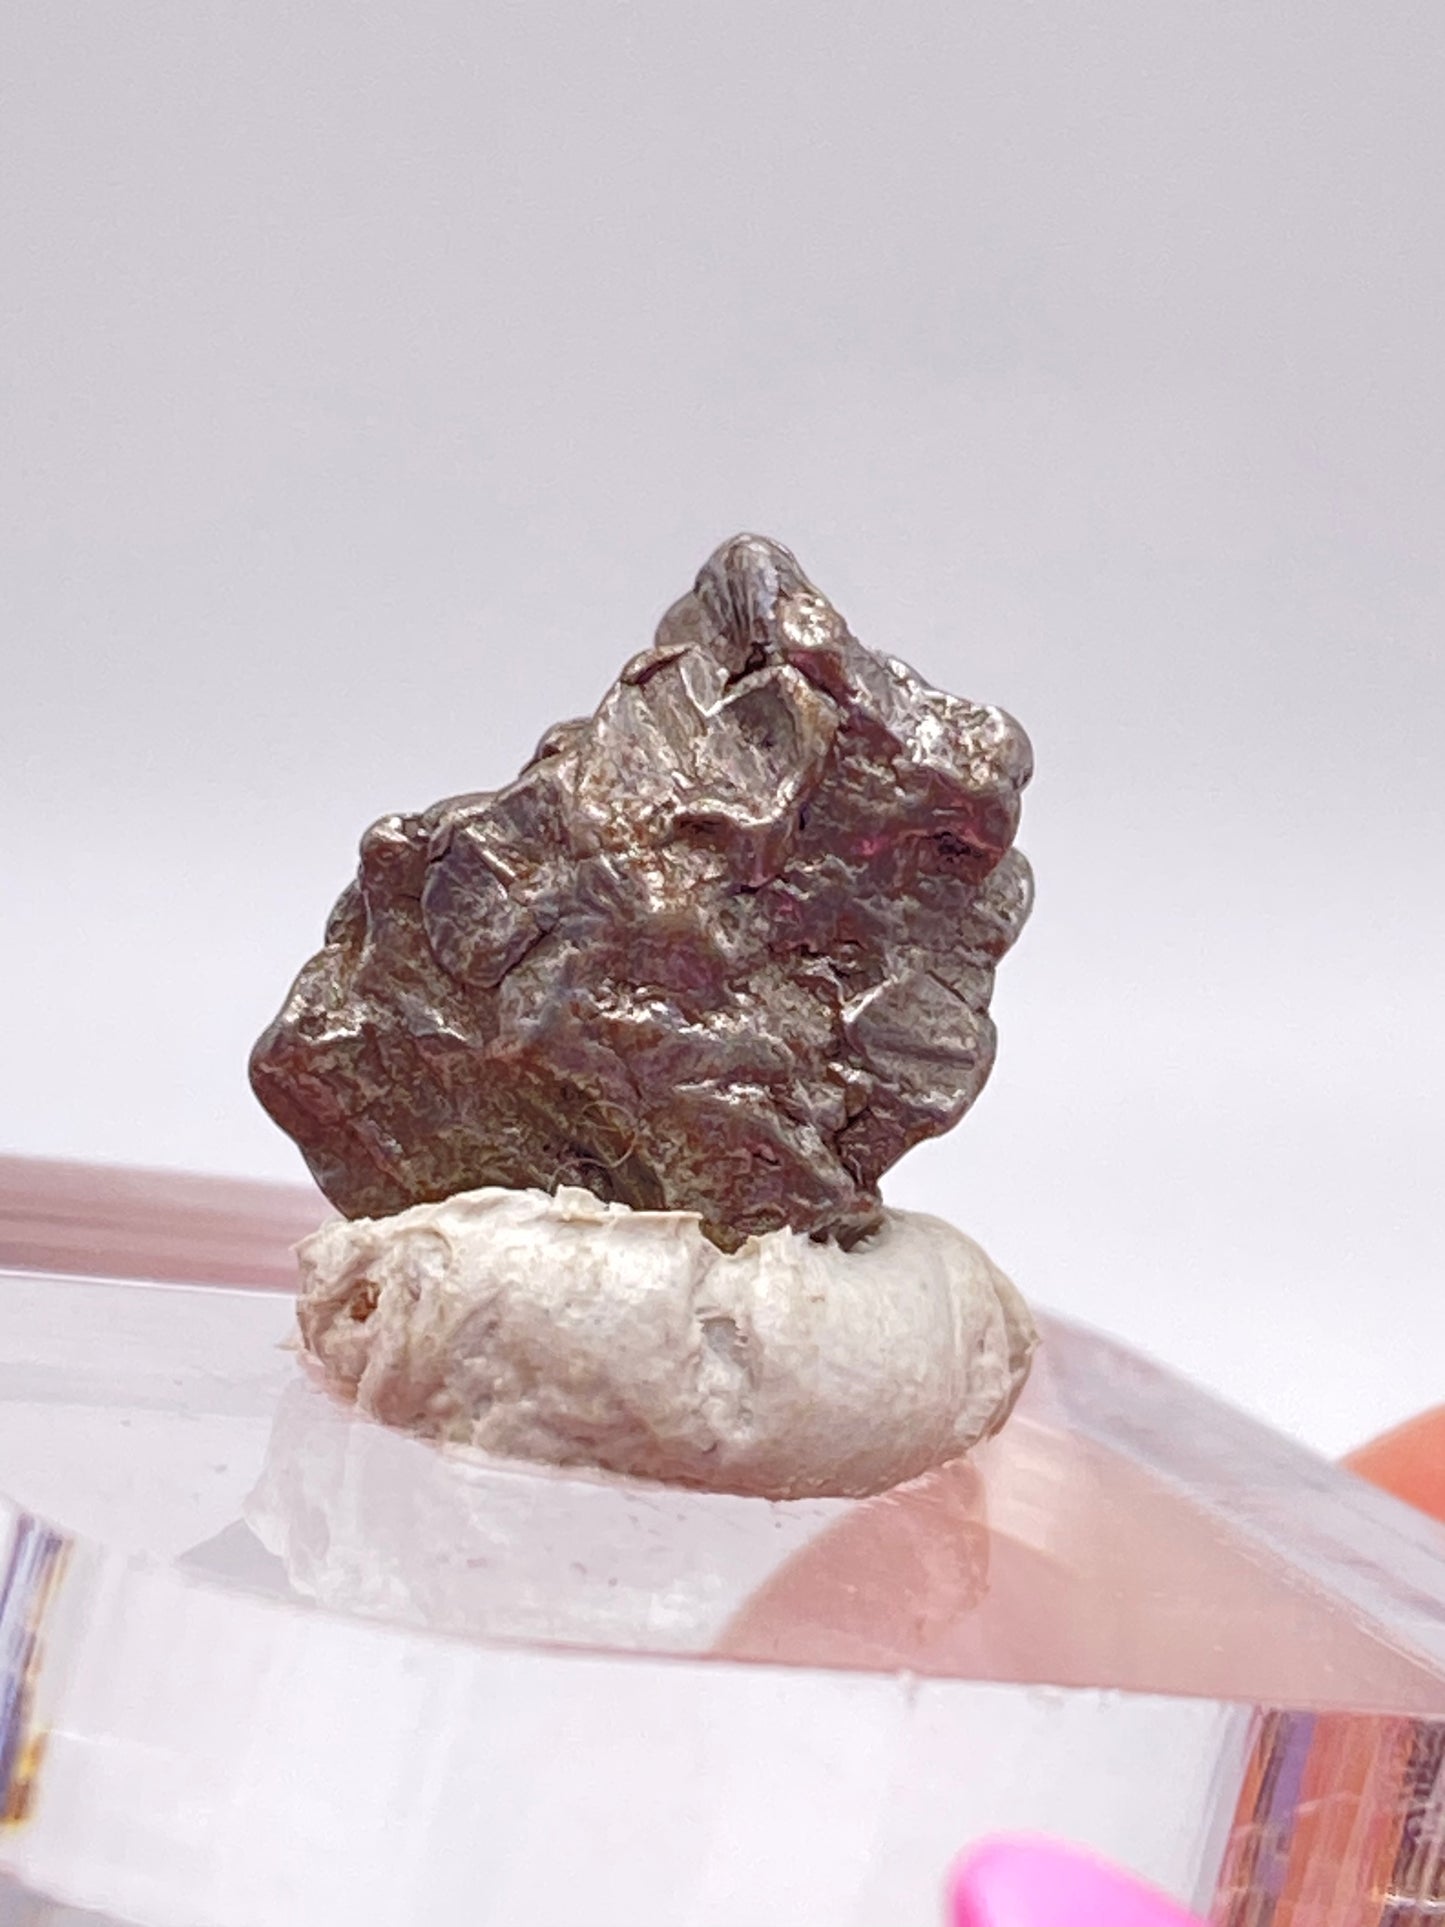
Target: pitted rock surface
[726,946]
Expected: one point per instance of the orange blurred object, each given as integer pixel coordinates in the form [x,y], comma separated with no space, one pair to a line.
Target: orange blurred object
[1409,1462]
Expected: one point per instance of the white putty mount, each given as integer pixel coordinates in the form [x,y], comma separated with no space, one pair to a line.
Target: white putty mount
[566,1330]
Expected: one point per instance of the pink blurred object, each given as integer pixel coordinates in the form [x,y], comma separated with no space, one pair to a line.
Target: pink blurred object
[174,1227]
[1030,1882]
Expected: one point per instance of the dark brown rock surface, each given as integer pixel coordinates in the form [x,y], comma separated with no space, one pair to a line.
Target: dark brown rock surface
[726,946]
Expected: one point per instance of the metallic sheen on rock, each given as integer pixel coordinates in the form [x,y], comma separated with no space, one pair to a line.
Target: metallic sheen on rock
[726,946]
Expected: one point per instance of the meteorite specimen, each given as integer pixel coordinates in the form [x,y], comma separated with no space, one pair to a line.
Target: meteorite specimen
[726,946]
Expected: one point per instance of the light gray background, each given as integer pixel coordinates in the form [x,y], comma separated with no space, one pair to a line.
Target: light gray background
[376,374]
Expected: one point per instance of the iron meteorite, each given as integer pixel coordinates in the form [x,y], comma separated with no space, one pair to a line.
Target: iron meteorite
[726,946]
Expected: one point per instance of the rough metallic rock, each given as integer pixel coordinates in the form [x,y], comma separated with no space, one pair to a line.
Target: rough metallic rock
[726,946]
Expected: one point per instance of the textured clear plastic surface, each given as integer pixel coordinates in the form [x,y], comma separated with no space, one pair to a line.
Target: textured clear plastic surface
[265,1659]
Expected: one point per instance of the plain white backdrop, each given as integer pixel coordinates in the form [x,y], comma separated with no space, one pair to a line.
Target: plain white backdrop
[375,375]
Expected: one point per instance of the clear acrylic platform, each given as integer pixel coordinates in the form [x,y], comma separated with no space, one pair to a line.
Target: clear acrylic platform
[262,1660]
